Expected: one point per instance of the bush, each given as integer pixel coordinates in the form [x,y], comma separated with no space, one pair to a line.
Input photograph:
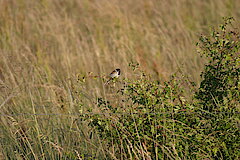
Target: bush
[148,121]
[218,93]
[220,84]
[156,120]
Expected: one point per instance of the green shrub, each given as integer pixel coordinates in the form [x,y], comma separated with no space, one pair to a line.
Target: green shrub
[148,122]
[218,93]
[159,120]
[220,84]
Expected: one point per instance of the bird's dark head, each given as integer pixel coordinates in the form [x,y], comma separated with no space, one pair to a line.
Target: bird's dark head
[118,70]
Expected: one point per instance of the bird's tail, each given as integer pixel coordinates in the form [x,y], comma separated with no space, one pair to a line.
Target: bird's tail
[108,81]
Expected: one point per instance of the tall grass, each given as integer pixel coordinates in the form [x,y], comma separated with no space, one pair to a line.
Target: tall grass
[48,46]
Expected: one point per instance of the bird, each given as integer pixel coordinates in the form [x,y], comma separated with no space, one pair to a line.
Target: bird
[113,75]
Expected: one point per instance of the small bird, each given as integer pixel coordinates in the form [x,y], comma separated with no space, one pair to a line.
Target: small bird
[115,74]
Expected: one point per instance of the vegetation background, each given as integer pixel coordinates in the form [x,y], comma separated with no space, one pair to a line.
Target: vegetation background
[46,45]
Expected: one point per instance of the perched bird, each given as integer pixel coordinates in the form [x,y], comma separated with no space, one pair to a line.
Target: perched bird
[115,74]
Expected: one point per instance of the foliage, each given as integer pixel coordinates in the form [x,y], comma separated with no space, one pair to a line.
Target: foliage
[219,91]
[158,121]
[147,122]
[220,84]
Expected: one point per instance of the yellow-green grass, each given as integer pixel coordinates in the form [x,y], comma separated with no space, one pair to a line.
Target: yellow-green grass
[43,44]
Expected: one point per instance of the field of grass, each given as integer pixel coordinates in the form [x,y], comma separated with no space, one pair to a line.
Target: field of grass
[55,56]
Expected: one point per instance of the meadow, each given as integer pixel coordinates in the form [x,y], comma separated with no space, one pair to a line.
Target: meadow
[173,100]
